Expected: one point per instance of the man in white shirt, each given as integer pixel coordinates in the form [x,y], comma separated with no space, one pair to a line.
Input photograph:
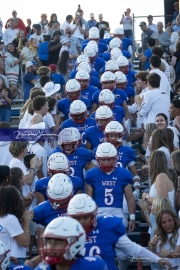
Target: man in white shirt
[67,22]
[38,36]
[10,33]
[155,101]
[155,63]
[158,51]
[151,25]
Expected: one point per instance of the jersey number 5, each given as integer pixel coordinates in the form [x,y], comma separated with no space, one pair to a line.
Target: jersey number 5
[109,199]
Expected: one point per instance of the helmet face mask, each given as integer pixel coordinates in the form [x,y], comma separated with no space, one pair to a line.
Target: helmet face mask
[84,83]
[101,123]
[103,116]
[108,85]
[113,133]
[121,85]
[69,148]
[107,164]
[79,118]
[124,69]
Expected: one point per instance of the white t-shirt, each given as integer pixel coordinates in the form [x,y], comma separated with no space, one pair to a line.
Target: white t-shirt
[164,84]
[64,25]
[155,101]
[37,38]
[39,151]
[49,121]
[6,157]
[77,32]
[26,118]
[127,24]
[9,35]
[9,228]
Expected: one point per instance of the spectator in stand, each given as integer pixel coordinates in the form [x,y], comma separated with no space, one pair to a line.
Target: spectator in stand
[19,24]
[145,35]
[38,36]
[158,51]
[5,176]
[2,73]
[44,24]
[5,102]
[4,145]
[53,18]
[176,26]
[1,26]
[19,36]
[173,40]
[65,65]
[54,48]
[27,53]
[78,29]
[162,36]
[103,26]
[175,113]
[16,237]
[127,23]
[92,22]
[28,27]
[12,63]
[151,25]
[176,13]
[148,53]
[175,62]
[29,78]
[75,45]
[10,33]
[43,50]
[81,13]
[2,49]
[68,21]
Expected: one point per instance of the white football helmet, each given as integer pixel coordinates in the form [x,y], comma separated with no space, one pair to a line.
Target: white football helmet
[106,151]
[58,163]
[83,205]
[114,127]
[90,51]
[82,58]
[78,111]
[79,136]
[123,64]
[84,66]
[115,43]
[93,44]
[115,53]
[68,136]
[103,113]
[107,35]
[92,29]
[4,256]
[94,35]
[121,80]
[106,97]
[112,66]
[68,229]
[59,190]
[83,77]
[118,31]
[108,78]
[73,87]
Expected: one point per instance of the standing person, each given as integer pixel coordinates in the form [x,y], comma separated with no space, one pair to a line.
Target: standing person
[75,45]
[103,26]
[5,176]
[176,12]
[29,78]
[52,19]
[68,21]
[78,29]
[44,24]
[144,57]
[151,25]
[127,23]
[38,36]
[92,22]
[65,64]
[158,51]
[12,64]
[1,26]
[10,33]
[17,40]
[19,24]
[54,48]
[163,37]
[81,13]
[28,27]
[43,49]
[5,102]
[145,35]
[16,237]
[28,54]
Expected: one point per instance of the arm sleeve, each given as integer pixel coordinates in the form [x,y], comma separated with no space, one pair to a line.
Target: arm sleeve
[132,249]
[145,106]
[133,108]
[14,230]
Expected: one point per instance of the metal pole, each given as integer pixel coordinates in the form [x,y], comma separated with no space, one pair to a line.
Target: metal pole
[133,36]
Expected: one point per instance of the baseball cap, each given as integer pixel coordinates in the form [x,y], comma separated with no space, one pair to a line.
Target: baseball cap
[91,15]
[149,16]
[142,23]
[65,40]
[53,67]
[31,63]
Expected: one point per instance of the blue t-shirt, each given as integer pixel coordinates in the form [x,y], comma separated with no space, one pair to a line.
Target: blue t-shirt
[102,240]
[27,85]
[98,64]
[130,92]
[126,42]
[58,78]
[81,127]
[120,97]
[89,92]
[43,51]
[77,160]
[176,28]
[44,213]
[94,136]
[41,185]
[118,112]
[64,105]
[82,263]
[108,189]
[148,54]
[131,78]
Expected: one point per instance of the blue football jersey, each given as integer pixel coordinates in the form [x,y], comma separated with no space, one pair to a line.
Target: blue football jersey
[130,92]
[131,78]
[120,97]
[118,112]
[82,263]
[44,213]
[98,64]
[77,160]
[41,185]
[92,73]
[64,105]
[81,127]
[108,189]
[102,240]
[88,92]
[94,136]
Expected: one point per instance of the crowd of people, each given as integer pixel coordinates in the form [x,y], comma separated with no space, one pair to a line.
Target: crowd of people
[71,191]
